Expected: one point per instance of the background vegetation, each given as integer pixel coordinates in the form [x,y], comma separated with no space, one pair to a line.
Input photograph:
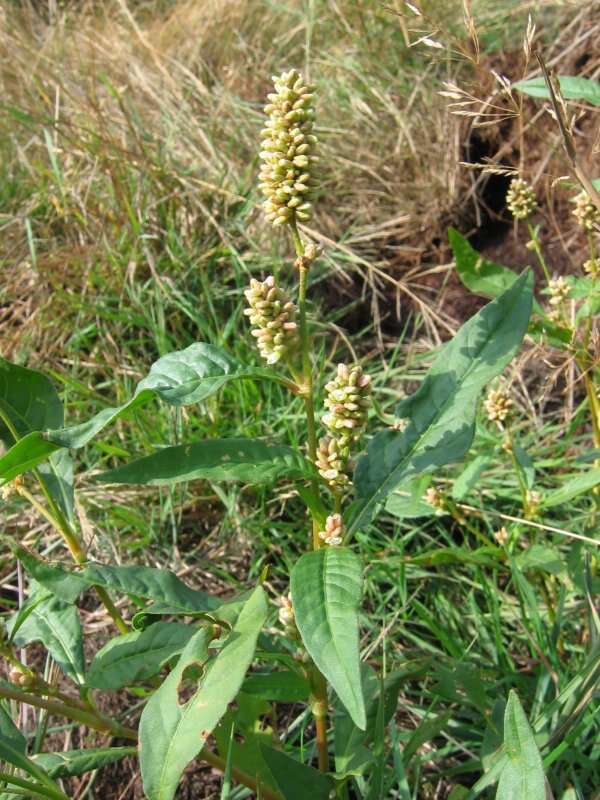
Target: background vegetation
[128,212]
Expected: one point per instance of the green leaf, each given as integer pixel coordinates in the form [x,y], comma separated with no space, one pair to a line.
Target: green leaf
[77,762]
[570,489]
[526,465]
[10,733]
[479,274]
[407,501]
[326,587]
[138,655]
[284,687]
[427,730]
[248,460]
[296,781]
[571,87]
[57,626]
[29,402]
[469,477]
[12,754]
[180,378]
[442,411]
[158,585]
[172,733]
[523,774]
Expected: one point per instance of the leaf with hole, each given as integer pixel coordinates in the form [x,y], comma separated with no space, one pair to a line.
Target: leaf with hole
[248,460]
[179,378]
[326,586]
[172,730]
[442,411]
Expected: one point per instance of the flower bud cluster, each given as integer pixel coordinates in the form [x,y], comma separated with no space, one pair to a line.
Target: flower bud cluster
[287,617]
[498,405]
[435,499]
[521,199]
[592,267]
[287,176]
[332,464]
[334,530]
[559,291]
[346,401]
[586,212]
[273,316]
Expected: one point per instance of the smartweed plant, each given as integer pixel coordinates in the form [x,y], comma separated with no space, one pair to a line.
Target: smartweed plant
[212,677]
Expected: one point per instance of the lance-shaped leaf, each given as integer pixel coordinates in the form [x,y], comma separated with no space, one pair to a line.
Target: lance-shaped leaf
[296,781]
[43,786]
[138,655]
[57,626]
[523,774]
[180,378]
[326,587]
[441,413]
[214,459]
[77,762]
[29,402]
[173,732]
[158,585]
[572,87]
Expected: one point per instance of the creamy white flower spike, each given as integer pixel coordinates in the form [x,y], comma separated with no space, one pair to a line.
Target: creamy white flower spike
[586,212]
[521,199]
[287,177]
[273,316]
[334,530]
[498,405]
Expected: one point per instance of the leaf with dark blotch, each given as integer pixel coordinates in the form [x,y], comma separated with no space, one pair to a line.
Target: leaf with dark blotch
[441,413]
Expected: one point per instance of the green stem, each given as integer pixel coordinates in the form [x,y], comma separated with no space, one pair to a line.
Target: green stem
[32,788]
[538,250]
[106,725]
[307,388]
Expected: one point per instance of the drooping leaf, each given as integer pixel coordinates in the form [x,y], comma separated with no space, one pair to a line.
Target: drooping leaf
[29,402]
[522,774]
[248,460]
[571,87]
[441,412]
[158,585]
[326,587]
[172,732]
[56,624]
[525,464]
[296,781]
[179,378]
[77,762]
[137,656]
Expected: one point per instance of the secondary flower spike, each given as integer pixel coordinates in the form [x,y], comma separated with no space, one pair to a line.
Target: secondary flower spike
[347,401]
[521,199]
[273,316]
[586,212]
[287,176]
